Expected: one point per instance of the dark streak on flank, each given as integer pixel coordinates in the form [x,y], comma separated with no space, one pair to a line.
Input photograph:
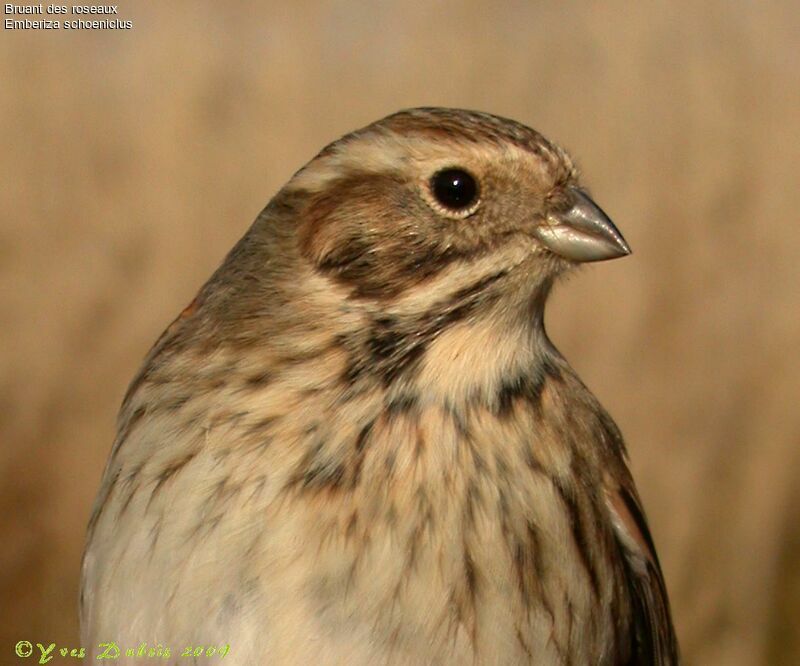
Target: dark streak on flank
[389,463]
[419,443]
[577,522]
[363,437]
[257,445]
[131,484]
[317,473]
[459,421]
[168,472]
[471,593]
[174,404]
[168,342]
[533,463]
[471,503]
[470,577]
[155,533]
[323,476]
[523,644]
[128,427]
[102,501]
[362,441]
[261,424]
[538,570]
[478,461]
[401,405]
[424,511]
[570,615]
[352,525]
[259,379]
[526,555]
[258,487]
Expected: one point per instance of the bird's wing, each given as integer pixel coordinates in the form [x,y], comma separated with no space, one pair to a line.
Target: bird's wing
[653,636]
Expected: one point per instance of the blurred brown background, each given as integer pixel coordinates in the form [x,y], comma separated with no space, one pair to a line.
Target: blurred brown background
[132,160]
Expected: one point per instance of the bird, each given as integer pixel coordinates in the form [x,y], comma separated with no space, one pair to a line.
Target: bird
[358,445]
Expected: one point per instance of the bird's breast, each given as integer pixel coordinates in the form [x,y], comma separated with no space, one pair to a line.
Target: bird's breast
[362,526]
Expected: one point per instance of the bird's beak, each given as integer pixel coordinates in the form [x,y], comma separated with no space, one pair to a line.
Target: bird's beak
[582,233]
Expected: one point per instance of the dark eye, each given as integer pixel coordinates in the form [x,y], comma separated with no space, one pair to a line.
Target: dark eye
[454,189]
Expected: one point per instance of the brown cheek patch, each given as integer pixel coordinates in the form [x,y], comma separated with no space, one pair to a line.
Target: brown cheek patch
[364,232]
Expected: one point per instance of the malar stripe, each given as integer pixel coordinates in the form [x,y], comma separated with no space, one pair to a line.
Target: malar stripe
[405,362]
[395,345]
[458,306]
[522,386]
[529,386]
[407,348]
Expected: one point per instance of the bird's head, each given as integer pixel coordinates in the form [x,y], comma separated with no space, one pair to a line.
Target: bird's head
[427,240]
[426,194]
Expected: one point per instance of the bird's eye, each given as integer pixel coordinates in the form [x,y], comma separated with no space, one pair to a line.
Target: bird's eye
[455,190]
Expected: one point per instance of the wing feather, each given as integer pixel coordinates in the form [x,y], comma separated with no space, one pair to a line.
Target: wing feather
[653,640]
